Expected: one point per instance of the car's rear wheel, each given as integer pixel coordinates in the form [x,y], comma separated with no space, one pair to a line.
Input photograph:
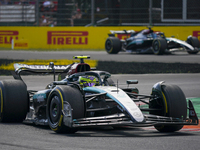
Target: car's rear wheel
[194,42]
[55,106]
[14,102]
[172,103]
[159,46]
[112,45]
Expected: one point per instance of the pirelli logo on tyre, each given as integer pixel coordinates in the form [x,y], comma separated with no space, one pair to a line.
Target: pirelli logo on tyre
[67,37]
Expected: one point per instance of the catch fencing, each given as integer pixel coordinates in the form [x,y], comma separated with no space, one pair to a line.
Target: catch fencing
[101,13]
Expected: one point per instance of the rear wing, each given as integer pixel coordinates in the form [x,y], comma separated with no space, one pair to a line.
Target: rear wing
[122,32]
[40,68]
[50,69]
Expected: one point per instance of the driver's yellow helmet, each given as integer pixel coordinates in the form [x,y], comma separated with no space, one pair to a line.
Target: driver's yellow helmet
[87,81]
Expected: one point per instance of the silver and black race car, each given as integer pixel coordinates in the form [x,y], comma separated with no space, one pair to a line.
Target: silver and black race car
[86,98]
[147,41]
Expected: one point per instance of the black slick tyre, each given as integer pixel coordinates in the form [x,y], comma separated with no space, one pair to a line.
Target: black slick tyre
[159,45]
[55,106]
[14,102]
[172,104]
[112,45]
[194,42]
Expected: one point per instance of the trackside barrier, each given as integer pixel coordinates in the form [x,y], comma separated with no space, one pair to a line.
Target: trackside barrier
[77,37]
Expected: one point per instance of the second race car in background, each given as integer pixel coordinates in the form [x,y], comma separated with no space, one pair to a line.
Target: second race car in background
[147,41]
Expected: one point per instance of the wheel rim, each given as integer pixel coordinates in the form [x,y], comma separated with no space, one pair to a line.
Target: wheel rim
[55,110]
[156,46]
[108,45]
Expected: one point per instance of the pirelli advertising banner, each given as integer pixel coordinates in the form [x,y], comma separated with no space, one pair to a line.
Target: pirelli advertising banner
[77,37]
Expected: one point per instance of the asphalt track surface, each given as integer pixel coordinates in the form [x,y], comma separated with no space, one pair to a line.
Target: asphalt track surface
[182,57]
[18,136]
[23,136]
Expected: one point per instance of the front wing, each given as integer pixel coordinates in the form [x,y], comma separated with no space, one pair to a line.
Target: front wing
[122,119]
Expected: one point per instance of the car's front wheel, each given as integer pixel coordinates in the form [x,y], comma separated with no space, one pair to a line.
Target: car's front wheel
[171,103]
[194,42]
[55,107]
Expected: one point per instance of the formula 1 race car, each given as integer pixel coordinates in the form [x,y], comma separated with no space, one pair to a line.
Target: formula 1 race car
[86,98]
[147,41]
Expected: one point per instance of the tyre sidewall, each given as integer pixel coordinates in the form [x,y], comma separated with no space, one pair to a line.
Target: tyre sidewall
[58,99]
[156,46]
[194,42]
[14,101]
[109,46]
[112,45]
[176,106]
[159,45]
[74,97]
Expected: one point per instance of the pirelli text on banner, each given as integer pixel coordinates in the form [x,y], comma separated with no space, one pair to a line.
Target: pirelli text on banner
[67,37]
